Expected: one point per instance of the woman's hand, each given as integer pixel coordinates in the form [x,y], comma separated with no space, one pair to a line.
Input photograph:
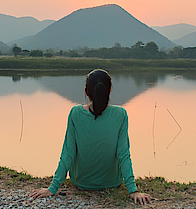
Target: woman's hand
[39,193]
[142,197]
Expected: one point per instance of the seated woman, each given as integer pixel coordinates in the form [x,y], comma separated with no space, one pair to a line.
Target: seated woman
[96,147]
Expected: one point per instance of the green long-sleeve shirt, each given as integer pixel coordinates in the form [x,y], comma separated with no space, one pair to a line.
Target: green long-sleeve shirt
[96,152]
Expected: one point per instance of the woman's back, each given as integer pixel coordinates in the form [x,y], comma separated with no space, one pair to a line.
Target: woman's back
[96,165]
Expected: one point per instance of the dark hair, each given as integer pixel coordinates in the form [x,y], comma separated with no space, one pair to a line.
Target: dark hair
[98,86]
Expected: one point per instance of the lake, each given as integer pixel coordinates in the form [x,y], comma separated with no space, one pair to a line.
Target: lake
[162,121]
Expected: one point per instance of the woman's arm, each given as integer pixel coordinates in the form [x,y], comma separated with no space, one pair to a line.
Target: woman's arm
[67,157]
[123,156]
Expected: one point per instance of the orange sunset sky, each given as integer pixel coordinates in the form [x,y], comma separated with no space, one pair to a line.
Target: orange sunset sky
[150,12]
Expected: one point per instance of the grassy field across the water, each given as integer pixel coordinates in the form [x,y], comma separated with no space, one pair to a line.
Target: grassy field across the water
[63,64]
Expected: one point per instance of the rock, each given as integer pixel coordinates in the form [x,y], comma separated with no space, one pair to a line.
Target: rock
[44,200]
[9,198]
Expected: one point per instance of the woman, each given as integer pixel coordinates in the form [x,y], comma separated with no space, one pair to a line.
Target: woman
[96,147]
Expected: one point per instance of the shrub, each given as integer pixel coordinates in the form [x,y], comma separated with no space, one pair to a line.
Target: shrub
[36,53]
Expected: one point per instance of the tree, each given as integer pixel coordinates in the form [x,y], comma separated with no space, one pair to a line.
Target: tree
[17,50]
[137,50]
[151,47]
[189,52]
[61,53]
[176,52]
[50,50]
[151,50]
[117,45]
[48,54]
[25,52]
[73,53]
[36,53]
[138,45]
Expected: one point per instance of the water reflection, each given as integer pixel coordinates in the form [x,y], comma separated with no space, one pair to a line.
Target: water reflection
[44,117]
[25,86]
[125,86]
[46,104]
[177,161]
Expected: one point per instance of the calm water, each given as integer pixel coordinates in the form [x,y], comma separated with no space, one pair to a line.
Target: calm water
[162,121]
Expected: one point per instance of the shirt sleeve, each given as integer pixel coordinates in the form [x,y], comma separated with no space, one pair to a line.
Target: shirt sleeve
[67,157]
[123,156]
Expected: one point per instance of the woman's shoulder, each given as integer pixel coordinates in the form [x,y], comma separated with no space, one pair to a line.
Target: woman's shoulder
[76,108]
[79,111]
[113,110]
[118,110]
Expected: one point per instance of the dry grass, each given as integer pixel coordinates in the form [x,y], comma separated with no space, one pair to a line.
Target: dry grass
[163,193]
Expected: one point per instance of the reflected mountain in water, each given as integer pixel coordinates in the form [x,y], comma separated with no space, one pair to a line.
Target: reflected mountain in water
[9,85]
[125,86]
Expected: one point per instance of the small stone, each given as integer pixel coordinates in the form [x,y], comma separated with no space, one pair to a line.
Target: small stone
[37,200]
[31,199]
[44,200]
[3,197]
[16,197]
[9,198]
[58,199]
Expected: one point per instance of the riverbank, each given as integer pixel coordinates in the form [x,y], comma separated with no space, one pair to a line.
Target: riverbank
[15,188]
[61,64]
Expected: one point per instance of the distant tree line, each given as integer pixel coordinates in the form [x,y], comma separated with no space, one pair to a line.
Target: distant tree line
[137,51]
[180,52]
[140,50]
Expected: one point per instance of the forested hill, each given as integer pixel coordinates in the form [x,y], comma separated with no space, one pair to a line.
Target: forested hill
[187,41]
[12,28]
[4,48]
[94,27]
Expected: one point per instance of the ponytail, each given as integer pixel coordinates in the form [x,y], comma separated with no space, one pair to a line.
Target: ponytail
[98,85]
[100,99]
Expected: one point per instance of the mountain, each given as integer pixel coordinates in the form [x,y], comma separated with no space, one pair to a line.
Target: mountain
[173,32]
[95,27]
[3,47]
[13,28]
[187,41]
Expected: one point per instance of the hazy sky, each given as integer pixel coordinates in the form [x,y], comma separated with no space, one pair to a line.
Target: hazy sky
[151,12]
